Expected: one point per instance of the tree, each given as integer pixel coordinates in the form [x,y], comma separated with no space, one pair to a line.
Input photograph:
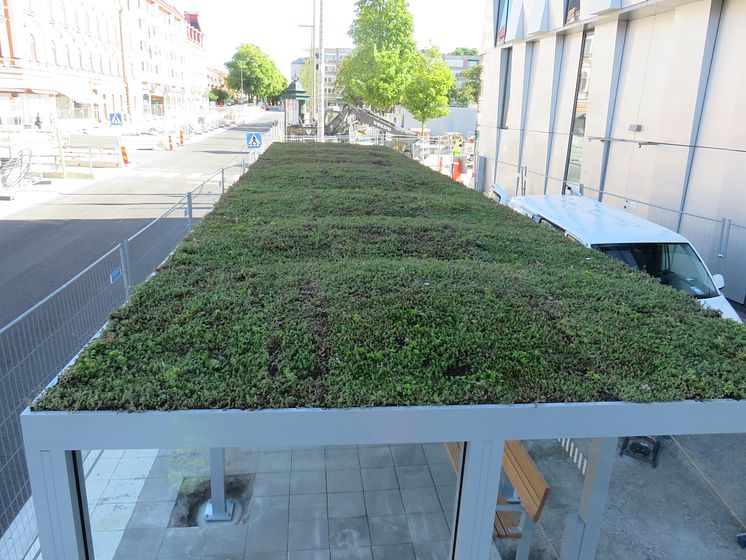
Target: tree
[464,51]
[426,94]
[219,95]
[378,70]
[306,82]
[471,89]
[261,78]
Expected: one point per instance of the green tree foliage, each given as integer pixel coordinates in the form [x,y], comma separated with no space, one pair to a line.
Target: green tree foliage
[426,94]
[306,82]
[464,51]
[469,93]
[261,78]
[377,71]
[219,95]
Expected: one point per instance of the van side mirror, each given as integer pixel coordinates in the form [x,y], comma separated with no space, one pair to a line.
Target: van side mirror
[719,281]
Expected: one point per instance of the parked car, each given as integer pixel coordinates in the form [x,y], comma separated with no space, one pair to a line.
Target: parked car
[642,244]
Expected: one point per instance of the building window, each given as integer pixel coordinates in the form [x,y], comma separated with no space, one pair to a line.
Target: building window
[80,59]
[572,11]
[76,18]
[87,23]
[54,54]
[503,11]
[506,63]
[580,111]
[34,53]
[67,57]
[332,69]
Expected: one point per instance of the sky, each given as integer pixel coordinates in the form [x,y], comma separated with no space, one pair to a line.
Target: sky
[273,25]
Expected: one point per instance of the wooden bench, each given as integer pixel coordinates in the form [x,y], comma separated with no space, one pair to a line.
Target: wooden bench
[521,497]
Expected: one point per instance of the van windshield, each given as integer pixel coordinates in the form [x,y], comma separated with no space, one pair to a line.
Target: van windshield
[675,264]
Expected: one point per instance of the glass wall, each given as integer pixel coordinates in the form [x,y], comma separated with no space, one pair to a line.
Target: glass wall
[366,501]
[580,111]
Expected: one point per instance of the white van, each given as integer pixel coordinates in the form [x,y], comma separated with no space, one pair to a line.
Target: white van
[641,244]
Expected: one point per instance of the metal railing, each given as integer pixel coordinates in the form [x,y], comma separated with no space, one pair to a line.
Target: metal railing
[40,343]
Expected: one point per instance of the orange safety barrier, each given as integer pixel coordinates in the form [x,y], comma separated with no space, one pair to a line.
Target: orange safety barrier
[170,142]
[440,164]
[181,137]
[125,159]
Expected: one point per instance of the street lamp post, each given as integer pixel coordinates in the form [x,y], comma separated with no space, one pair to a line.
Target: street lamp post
[322,105]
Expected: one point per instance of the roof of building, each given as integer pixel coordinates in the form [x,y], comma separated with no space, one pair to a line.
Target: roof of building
[346,276]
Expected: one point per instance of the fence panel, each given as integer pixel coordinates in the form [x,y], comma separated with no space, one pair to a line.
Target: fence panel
[33,349]
[152,245]
[734,265]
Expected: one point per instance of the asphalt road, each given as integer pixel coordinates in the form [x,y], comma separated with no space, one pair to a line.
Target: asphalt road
[47,244]
[44,246]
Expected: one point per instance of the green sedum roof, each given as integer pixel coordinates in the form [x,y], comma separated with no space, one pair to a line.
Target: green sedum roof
[343,276]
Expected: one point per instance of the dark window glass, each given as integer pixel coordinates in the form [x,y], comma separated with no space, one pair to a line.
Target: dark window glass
[674,264]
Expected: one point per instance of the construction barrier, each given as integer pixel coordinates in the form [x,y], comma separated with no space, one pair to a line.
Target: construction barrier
[181,137]
[125,159]
[170,143]
[456,174]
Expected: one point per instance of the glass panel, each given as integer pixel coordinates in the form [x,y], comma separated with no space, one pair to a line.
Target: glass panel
[577,134]
[572,13]
[502,19]
[368,501]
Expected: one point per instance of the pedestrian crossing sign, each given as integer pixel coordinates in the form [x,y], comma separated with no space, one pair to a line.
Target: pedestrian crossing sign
[115,119]
[254,140]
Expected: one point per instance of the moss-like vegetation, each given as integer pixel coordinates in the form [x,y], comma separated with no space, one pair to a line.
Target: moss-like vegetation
[341,276]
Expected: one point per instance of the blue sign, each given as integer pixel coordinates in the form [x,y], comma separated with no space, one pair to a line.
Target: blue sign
[254,140]
[115,119]
[116,274]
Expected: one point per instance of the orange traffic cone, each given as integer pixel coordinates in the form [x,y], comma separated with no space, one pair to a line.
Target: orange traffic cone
[456,170]
[125,159]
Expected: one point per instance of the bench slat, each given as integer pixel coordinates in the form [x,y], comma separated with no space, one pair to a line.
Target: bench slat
[524,476]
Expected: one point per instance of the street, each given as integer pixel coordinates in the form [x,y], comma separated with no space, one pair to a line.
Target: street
[43,246]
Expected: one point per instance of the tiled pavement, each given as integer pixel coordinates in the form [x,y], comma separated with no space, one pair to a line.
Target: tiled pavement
[336,503]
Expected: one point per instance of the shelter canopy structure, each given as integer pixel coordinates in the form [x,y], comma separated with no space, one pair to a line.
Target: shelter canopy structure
[343,295]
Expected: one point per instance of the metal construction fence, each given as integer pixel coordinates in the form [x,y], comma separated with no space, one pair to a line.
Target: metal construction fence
[721,242]
[40,343]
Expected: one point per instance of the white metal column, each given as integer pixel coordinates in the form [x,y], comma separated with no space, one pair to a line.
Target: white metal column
[58,490]
[583,530]
[481,462]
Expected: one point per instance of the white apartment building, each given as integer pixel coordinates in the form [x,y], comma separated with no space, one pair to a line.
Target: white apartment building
[638,103]
[60,60]
[164,59]
[333,58]
[73,62]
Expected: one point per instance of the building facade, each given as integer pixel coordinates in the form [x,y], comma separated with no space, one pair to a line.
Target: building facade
[634,102]
[75,62]
[333,58]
